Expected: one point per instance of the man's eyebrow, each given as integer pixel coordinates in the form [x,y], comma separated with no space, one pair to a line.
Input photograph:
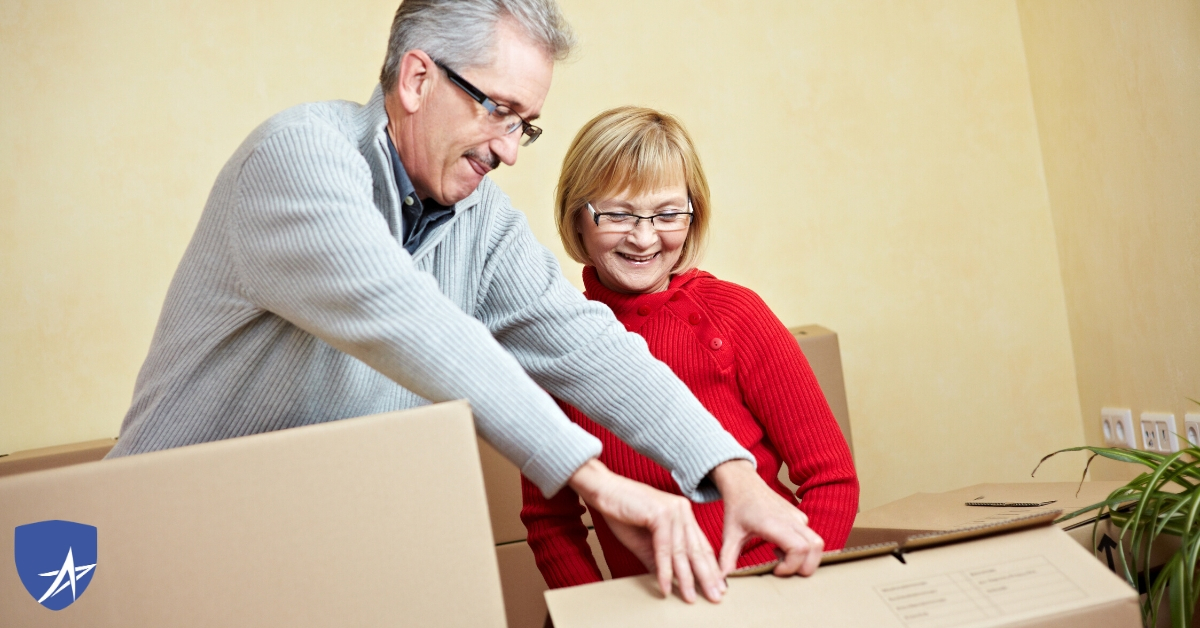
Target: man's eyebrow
[515,105]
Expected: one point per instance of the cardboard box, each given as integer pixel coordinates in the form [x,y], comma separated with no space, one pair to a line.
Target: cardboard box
[1032,578]
[820,346]
[362,522]
[523,585]
[502,480]
[53,457]
[925,513]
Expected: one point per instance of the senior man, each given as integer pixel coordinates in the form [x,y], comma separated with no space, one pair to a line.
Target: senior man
[355,259]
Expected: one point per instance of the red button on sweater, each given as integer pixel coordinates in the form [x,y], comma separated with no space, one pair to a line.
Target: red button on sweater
[748,371]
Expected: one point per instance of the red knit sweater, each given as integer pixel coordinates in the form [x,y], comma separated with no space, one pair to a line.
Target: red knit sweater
[748,371]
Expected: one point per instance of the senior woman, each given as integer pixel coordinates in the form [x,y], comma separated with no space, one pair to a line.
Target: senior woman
[633,206]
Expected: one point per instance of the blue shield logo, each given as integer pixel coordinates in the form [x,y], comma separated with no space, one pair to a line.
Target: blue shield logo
[56,560]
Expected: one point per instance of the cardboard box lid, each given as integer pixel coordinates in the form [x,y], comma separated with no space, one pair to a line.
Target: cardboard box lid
[57,456]
[371,521]
[1036,577]
[949,510]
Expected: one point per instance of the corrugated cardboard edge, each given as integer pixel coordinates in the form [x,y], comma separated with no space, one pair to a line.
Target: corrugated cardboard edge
[917,542]
[54,457]
[937,539]
[828,558]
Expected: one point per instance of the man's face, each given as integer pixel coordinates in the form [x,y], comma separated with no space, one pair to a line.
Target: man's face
[451,142]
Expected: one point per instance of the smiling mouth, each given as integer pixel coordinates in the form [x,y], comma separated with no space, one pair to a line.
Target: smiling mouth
[479,168]
[639,259]
[480,163]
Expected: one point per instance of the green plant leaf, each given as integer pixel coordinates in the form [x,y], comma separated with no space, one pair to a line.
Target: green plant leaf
[1163,500]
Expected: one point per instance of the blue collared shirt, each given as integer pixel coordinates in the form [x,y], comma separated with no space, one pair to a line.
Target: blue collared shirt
[419,218]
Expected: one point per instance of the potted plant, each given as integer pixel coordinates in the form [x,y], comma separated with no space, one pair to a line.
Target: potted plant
[1161,502]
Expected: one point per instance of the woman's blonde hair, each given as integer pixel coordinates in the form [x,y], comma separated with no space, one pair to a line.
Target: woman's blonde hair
[630,150]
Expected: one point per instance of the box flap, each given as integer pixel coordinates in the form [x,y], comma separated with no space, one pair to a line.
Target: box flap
[360,522]
[949,511]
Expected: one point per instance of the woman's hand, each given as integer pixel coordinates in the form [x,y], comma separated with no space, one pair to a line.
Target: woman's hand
[659,528]
[753,509]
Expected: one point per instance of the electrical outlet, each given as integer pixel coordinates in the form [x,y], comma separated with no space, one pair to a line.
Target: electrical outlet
[1149,435]
[1166,437]
[1117,426]
[1191,428]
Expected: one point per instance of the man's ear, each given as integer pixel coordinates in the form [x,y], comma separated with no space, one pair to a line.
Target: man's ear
[415,80]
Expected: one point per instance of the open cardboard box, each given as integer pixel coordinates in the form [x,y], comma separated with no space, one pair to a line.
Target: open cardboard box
[995,575]
[924,513]
[363,522]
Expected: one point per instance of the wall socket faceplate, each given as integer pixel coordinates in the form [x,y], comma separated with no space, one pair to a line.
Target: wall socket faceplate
[1117,426]
[1191,428]
[1159,432]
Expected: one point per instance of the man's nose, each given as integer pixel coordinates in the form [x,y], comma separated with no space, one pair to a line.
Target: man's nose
[506,147]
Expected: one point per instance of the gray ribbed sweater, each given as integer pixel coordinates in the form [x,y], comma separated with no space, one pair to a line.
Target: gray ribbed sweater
[296,304]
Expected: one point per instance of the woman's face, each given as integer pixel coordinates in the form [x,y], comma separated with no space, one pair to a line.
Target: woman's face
[639,261]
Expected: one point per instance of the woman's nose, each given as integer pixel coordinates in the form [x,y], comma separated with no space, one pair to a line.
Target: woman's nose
[643,233]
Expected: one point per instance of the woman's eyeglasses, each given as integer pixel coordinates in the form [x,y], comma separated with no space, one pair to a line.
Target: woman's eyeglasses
[625,222]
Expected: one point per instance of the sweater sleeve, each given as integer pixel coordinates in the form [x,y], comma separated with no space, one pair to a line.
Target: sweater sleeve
[558,537]
[780,390]
[577,350]
[309,245]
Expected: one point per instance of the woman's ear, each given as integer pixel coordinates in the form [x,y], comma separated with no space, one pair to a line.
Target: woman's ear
[580,216]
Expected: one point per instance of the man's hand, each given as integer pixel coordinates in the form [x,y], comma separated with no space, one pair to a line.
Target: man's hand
[753,509]
[659,528]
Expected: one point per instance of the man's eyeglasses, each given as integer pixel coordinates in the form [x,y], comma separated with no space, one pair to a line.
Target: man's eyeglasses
[502,115]
[624,222]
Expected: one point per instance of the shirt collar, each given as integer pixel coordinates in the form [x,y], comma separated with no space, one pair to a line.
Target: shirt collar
[408,193]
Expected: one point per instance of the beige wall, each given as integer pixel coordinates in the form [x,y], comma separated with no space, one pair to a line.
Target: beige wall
[1116,86]
[876,168]
[114,120]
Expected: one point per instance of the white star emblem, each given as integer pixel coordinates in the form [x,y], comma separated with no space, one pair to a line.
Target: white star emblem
[65,577]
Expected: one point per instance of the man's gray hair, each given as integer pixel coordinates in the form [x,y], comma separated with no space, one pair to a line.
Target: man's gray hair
[462,33]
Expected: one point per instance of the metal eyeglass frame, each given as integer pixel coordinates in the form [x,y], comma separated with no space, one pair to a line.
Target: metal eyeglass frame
[638,219]
[530,131]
